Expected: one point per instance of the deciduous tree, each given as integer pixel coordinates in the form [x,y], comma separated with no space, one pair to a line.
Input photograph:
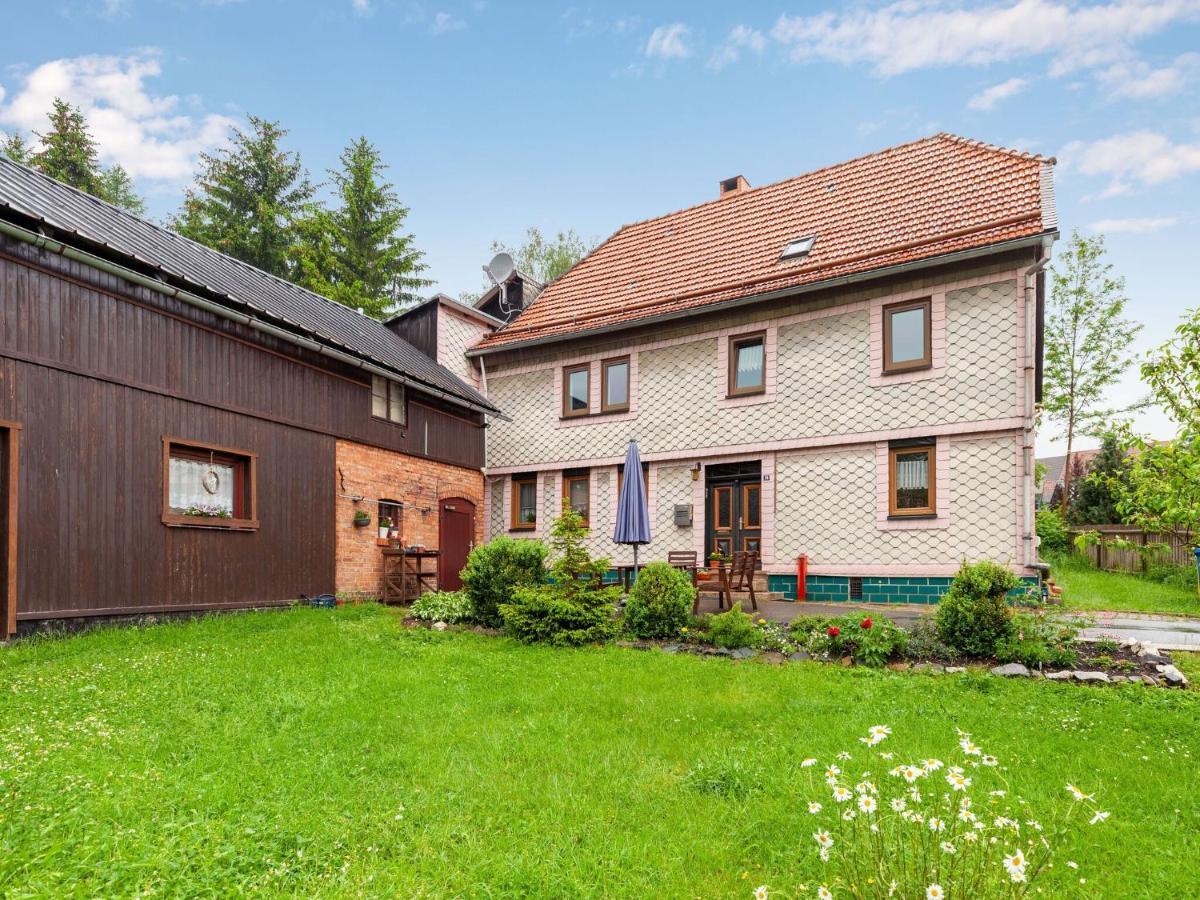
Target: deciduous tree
[1088,343]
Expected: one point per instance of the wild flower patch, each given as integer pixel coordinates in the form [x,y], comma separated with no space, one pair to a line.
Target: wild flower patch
[936,828]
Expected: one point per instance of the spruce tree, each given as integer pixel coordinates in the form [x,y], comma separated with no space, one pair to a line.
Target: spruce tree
[358,252]
[15,148]
[248,199]
[1092,500]
[67,151]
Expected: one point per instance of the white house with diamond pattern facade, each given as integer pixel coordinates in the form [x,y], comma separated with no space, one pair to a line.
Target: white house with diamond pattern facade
[876,425]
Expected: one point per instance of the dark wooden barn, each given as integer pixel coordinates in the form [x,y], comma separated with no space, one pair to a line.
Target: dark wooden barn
[180,431]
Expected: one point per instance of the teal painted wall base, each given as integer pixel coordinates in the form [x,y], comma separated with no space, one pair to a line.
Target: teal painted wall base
[875,589]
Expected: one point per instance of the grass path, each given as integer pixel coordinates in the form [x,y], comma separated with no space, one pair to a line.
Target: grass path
[334,753]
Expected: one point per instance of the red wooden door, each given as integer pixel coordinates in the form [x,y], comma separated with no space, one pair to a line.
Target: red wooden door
[456,537]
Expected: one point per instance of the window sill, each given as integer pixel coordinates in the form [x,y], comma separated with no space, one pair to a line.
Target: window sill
[742,395]
[392,422]
[522,528]
[211,524]
[912,517]
[907,370]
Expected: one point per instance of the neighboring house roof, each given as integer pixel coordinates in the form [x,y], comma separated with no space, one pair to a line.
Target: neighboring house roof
[239,285]
[1055,466]
[921,200]
[449,302]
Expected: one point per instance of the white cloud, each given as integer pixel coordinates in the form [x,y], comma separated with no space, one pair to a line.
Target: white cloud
[988,98]
[113,9]
[1138,80]
[1133,226]
[915,34]
[444,22]
[1146,157]
[362,7]
[144,132]
[669,42]
[743,37]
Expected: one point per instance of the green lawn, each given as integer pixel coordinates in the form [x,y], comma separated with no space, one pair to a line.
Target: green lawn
[1085,587]
[335,753]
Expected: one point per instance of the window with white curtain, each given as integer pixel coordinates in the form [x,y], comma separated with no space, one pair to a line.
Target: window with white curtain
[387,399]
[911,479]
[747,364]
[208,485]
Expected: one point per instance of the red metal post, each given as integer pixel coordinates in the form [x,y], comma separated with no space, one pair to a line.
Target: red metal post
[801,576]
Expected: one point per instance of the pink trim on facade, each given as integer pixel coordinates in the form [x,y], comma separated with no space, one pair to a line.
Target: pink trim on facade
[778,322]
[941,493]
[770,358]
[732,452]
[860,570]
[595,382]
[937,338]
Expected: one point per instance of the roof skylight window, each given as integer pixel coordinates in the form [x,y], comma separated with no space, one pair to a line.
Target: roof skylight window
[798,249]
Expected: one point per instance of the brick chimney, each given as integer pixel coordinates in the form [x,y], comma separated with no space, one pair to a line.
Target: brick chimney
[735,185]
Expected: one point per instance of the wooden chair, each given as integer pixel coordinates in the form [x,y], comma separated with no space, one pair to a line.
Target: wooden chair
[741,574]
[685,560]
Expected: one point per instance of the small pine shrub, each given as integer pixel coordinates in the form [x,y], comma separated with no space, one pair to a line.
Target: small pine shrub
[450,607]
[660,603]
[495,569]
[974,616]
[734,629]
[574,608]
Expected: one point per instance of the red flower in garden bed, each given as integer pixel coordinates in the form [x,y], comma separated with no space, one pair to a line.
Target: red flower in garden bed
[833,631]
[866,624]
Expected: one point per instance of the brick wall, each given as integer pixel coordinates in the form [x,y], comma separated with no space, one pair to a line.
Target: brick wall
[419,484]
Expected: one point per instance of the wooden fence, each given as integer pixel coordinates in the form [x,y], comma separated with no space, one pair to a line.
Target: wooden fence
[1105,556]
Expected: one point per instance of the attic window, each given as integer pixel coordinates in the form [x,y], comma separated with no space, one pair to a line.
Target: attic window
[798,248]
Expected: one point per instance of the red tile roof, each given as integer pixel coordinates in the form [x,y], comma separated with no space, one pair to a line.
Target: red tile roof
[933,196]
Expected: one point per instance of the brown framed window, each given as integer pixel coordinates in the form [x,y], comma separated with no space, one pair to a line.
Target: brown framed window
[207,486]
[907,336]
[524,501]
[645,478]
[387,399]
[614,384]
[912,480]
[577,492]
[577,386]
[747,364]
[752,506]
[389,518]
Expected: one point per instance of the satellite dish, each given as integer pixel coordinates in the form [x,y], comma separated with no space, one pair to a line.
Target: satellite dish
[500,268]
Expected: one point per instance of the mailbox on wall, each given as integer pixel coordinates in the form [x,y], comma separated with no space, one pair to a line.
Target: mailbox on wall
[683,515]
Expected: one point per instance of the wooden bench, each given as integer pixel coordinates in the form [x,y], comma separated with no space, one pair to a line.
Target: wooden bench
[684,560]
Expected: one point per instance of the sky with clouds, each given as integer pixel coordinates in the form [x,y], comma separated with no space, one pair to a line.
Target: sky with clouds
[495,116]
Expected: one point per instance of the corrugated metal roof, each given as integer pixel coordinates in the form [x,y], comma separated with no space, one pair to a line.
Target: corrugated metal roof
[73,212]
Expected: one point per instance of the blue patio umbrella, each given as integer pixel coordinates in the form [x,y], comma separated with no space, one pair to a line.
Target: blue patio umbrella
[633,518]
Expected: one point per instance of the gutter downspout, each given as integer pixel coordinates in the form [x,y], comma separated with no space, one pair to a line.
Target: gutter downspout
[41,242]
[1029,435]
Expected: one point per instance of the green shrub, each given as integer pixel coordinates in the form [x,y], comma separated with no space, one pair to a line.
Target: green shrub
[1183,577]
[1052,531]
[661,601]
[974,615]
[924,643]
[450,607]
[869,641]
[803,626]
[574,608]
[1038,640]
[494,569]
[734,629]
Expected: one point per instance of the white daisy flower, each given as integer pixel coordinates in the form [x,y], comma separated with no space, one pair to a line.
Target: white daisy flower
[935,892]
[848,814]
[989,760]
[936,824]
[760,892]
[807,763]
[1077,793]
[886,754]
[948,847]
[843,755]
[823,838]
[969,747]
[911,773]
[881,731]
[823,893]
[841,794]
[867,803]
[970,837]
[814,807]
[1015,865]
[931,765]
[958,782]
[1099,817]
[832,772]
[899,804]
[824,854]
[1072,865]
